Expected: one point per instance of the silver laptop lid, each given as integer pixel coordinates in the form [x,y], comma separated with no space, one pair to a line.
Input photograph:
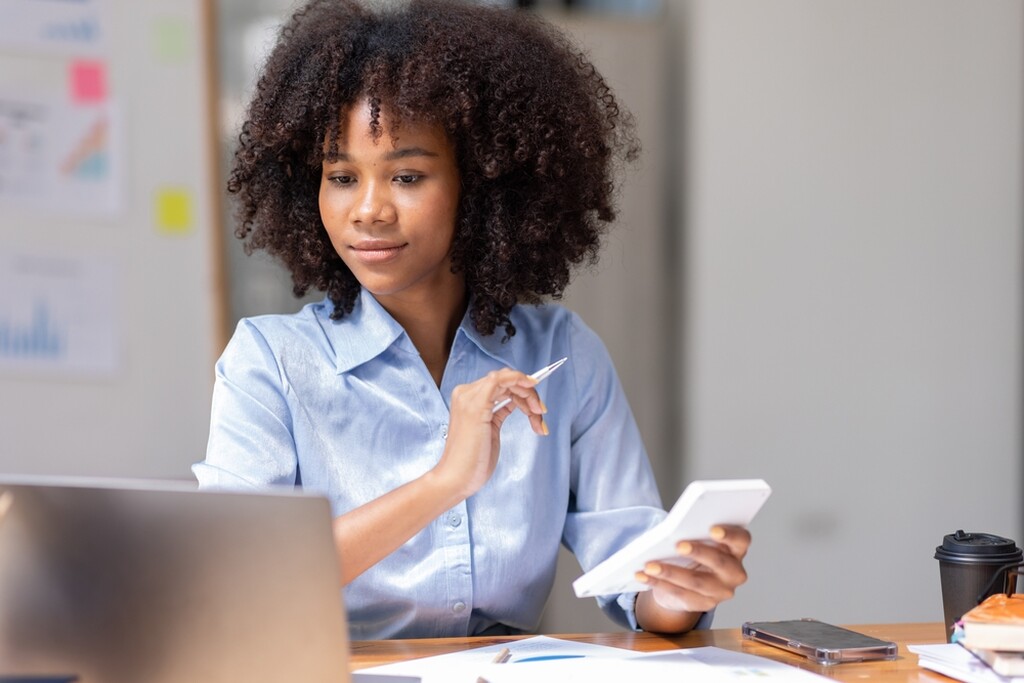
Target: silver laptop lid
[119,582]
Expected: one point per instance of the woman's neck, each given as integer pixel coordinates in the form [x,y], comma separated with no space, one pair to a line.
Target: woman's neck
[431,325]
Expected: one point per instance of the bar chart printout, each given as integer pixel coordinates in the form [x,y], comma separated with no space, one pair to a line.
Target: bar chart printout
[57,315]
[38,339]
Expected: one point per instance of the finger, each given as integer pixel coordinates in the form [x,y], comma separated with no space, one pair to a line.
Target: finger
[539,425]
[513,384]
[718,560]
[735,538]
[528,400]
[677,598]
[692,579]
[498,416]
[537,422]
[525,397]
[509,376]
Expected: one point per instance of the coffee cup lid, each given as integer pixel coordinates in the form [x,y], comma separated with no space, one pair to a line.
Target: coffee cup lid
[978,548]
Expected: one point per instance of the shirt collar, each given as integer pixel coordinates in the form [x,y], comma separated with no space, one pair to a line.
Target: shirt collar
[505,353]
[363,334]
[369,330]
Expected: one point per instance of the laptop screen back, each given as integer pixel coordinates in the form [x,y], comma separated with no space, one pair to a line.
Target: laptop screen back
[122,582]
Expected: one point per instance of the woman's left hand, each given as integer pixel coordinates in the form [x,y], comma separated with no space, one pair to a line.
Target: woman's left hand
[717,573]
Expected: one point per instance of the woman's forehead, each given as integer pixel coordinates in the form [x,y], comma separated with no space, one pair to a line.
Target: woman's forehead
[382,123]
[358,126]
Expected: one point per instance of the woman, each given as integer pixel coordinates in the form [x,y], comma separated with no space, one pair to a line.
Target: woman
[438,169]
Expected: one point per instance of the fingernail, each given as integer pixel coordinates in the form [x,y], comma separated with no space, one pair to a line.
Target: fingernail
[717,533]
[543,408]
[641,577]
[652,568]
[684,548]
[544,426]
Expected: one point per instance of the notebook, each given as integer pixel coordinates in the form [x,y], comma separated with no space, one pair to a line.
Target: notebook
[123,582]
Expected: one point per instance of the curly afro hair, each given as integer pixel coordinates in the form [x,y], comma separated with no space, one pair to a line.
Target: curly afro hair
[537,134]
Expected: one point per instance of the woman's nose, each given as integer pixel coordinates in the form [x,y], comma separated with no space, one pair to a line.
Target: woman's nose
[374,205]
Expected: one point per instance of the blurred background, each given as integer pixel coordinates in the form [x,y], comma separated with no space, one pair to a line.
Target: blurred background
[815,279]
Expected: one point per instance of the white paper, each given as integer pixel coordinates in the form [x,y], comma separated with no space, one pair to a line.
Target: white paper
[955,661]
[543,659]
[60,157]
[58,315]
[528,648]
[71,28]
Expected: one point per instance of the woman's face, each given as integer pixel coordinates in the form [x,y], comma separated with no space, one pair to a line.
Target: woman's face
[389,206]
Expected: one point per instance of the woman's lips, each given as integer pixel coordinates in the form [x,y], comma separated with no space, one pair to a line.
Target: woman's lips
[377,252]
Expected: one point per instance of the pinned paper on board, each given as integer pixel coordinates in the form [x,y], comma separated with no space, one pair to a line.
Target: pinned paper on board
[172,40]
[174,213]
[60,157]
[58,315]
[88,81]
[70,28]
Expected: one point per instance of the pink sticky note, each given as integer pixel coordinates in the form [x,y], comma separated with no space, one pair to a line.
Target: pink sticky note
[88,81]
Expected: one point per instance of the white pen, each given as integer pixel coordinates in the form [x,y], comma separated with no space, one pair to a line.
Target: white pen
[539,375]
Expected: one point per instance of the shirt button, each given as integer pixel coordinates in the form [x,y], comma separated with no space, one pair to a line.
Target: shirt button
[454,520]
[458,607]
[444,431]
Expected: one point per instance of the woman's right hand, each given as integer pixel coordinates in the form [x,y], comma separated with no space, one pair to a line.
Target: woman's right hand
[366,535]
[473,443]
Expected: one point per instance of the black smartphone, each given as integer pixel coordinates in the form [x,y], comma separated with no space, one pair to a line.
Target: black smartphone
[820,642]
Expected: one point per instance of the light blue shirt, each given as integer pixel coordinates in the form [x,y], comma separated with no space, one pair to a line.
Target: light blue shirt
[347,409]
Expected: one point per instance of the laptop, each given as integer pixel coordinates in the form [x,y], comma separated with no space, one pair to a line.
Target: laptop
[127,582]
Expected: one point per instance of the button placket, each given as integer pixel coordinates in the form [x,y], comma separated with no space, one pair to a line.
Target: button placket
[458,564]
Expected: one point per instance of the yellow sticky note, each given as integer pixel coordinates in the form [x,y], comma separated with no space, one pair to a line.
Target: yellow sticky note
[173,211]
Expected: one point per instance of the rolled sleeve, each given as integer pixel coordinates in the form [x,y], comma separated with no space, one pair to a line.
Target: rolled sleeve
[251,443]
[614,496]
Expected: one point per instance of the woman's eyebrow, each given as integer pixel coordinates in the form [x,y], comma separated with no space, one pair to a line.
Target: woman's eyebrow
[403,153]
[406,152]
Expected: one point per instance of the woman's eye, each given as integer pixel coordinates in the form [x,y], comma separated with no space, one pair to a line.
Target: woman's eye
[406,178]
[342,179]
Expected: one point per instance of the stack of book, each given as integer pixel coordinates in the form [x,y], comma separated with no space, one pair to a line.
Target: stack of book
[994,632]
[987,647]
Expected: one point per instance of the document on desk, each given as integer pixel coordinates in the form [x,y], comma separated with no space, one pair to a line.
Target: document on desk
[551,660]
[534,651]
[955,661]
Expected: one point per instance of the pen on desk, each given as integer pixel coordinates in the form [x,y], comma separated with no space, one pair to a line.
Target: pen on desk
[504,654]
[539,375]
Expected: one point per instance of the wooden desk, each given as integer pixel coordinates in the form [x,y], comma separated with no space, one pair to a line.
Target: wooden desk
[374,652]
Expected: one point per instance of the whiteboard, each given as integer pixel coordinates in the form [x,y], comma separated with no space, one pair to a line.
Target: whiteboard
[111,311]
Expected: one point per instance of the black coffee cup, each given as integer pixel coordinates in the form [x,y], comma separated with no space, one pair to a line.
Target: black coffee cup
[968,564]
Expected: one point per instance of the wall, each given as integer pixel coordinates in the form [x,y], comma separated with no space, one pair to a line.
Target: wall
[109,269]
[624,298]
[853,288]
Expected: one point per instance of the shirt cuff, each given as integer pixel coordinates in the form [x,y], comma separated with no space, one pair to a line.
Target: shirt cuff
[627,602]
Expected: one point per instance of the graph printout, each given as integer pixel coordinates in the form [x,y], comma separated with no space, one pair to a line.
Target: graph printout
[58,315]
[75,27]
[58,156]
